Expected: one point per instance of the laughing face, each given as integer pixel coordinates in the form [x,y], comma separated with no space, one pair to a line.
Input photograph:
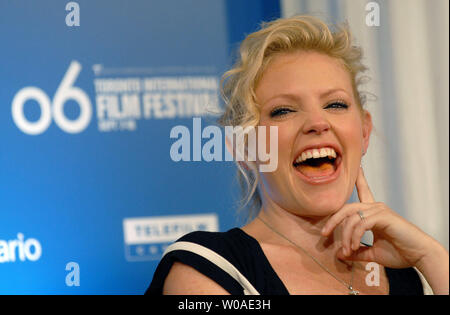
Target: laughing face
[322,132]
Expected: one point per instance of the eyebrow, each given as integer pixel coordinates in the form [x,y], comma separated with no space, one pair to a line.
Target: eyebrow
[295,97]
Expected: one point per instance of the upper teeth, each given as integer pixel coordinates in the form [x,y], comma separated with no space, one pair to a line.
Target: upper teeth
[316,154]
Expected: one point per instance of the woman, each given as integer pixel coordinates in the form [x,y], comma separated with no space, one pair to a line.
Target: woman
[303,238]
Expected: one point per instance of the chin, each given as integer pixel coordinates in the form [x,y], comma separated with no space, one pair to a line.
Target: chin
[323,204]
[323,210]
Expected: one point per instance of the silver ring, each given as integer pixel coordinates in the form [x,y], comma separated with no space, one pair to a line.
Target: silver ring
[361,215]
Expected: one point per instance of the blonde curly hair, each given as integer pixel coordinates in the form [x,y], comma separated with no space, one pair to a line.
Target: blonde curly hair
[284,35]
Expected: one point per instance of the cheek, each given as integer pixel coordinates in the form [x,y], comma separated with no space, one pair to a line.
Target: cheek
[284,141]
[351,134]
[351,137]
[276,182]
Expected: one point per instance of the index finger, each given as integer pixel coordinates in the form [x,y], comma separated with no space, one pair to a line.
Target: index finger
[364,193]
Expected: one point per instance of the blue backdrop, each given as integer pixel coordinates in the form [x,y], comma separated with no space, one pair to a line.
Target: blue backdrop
[89,194]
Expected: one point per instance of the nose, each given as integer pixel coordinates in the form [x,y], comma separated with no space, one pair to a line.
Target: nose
[315,124]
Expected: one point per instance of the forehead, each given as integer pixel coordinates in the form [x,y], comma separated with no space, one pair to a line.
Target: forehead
[303,74]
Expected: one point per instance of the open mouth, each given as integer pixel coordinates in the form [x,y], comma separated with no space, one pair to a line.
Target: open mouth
[318,164]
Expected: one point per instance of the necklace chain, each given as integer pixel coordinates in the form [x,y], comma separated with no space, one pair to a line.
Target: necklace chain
[349,286]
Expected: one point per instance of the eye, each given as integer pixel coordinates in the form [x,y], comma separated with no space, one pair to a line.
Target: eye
[281,111]
[337,105]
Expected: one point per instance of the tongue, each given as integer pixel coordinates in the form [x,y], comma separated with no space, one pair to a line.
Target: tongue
[324,169]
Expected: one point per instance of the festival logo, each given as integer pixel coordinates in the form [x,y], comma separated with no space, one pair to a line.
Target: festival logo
[121,100]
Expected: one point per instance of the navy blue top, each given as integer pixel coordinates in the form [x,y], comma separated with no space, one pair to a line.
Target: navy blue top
[245,253]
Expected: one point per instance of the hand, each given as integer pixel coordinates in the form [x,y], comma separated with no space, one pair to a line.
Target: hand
[397,243]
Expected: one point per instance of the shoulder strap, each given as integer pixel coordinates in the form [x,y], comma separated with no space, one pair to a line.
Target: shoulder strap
[426,287]
[216,259]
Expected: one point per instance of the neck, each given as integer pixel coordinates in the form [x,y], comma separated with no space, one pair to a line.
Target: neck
[301,230]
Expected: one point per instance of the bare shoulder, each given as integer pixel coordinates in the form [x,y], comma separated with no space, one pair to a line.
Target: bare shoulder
[183,279]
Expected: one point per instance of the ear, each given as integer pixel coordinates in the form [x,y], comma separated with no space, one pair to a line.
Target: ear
[367,129]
